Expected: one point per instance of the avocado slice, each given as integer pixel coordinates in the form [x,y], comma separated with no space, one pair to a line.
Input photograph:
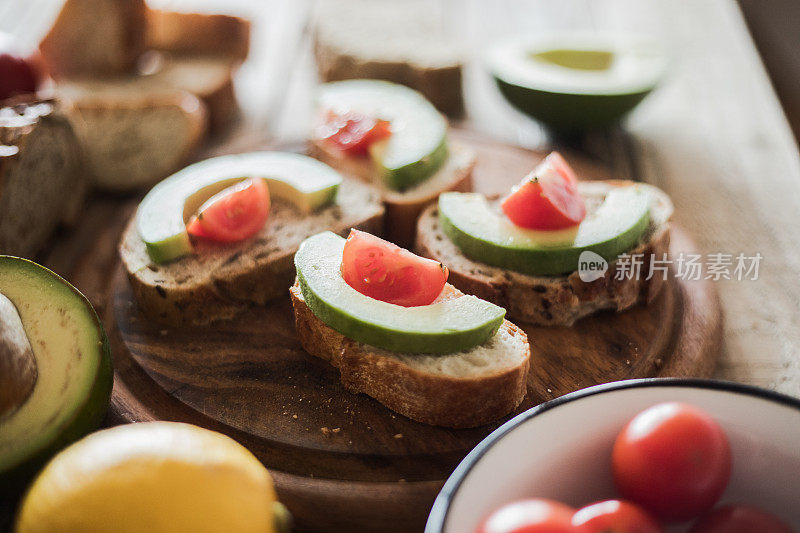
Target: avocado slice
[162,216]
[574,82]
[417,146]
[445,326]
[60,377]
[484,234]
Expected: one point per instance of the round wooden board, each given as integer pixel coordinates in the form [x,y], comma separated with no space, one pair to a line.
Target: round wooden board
[343,462]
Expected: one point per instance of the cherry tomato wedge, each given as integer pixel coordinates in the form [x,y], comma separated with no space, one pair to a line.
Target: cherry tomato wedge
[614,516]
[353,133]
[739,519]
[384,271]
[233,214]
[674,460]
[530,516]
[547,198]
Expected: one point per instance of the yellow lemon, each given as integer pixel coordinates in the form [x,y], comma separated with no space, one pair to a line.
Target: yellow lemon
[151,477]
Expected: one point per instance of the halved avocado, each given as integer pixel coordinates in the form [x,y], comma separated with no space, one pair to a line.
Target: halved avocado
[575,82]
[56,362]
[484,234]
[447,326]
[417,146]
[162,216]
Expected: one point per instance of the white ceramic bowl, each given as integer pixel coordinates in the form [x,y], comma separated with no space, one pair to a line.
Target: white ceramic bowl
[561,449]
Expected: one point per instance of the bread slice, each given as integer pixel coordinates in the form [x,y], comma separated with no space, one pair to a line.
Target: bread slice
[403,208]
[42,181]
[403,42]
[134,141]
[219,280]
[554,300]
[95,37]
[198,34]
[460,390]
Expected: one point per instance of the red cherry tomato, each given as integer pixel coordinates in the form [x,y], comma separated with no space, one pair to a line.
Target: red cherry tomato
[739,519]
[353,133]
[530,516]
[233,214]
[547,198]
[614,516]
[17,76]
[386,272]
[674,460]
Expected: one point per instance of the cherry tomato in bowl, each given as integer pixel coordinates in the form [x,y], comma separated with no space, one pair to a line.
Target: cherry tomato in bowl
[535,515]
[234,214]
[739,519]
[614,516]
[673,459]
[384,271]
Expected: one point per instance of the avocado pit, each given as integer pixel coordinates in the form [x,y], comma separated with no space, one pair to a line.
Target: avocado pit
[18,371]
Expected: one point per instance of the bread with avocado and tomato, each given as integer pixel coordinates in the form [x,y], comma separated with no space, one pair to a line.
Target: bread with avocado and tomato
[455,362]
[411,162]
[180,280]
[559,297]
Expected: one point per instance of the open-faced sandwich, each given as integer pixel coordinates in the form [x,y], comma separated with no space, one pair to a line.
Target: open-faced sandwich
[524,251]
[222,233]
[391,136]
[388,320]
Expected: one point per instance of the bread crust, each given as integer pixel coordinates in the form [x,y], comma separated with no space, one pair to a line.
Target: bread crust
[196,33]
[549,300]
[431,399]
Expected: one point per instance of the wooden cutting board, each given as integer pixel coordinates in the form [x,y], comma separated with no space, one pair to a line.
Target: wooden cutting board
[343,462]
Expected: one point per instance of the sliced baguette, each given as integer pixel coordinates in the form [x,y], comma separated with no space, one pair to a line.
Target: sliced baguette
[402,42]
[219,281]
[95,37]
[554,300]
[42,181]
[403,208]
[459,390]
[198,34]
[134,141]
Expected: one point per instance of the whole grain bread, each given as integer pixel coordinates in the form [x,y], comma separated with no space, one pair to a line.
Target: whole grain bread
[403,42]
[134,141]
[459,390]
[198,34]
[220,280]
[42,181]
[554,300]
[403,208]
[95,38]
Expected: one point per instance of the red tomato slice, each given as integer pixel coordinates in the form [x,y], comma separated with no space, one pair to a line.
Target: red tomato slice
[530,516]
[353,133]
[233,214]
[547,198]
[672,459]
[739,519]
[384,271]
[614,516]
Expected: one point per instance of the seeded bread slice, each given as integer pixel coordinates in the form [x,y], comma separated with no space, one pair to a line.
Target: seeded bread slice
[403,42]
[42,181]
[459,390]
[219,280]
[134,141]
[554,300]
[403,208]
[95,37]
[198,34]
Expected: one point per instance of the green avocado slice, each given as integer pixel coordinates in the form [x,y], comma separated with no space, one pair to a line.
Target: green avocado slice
[447,326]
[72,374]
[162,216]
[484,234]
[577,81]
[417,146]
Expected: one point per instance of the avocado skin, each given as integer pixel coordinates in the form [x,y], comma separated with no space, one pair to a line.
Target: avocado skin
[570,113]
[403,178]
[538,262]
[88,418]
